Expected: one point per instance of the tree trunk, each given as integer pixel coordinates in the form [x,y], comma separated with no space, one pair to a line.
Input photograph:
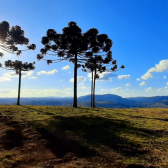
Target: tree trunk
[94,90]
[75,82]
[18,100]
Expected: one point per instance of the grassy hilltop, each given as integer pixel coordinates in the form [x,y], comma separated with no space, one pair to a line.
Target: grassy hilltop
[57,137]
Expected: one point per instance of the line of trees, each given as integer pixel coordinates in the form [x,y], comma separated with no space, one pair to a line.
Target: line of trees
[89,50]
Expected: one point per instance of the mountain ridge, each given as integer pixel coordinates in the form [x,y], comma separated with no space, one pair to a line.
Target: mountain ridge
[106,101]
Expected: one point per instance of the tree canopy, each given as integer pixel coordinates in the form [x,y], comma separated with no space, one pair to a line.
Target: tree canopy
[74,46]
[18,66]
[11,37]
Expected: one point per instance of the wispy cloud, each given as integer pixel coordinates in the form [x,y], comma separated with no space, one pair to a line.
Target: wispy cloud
[65,67]
[83,87]
[148,89]
[69,88]
[164,77]
[143,83]
[47,73]
[6,91]
[80,84]
[104,76]
[128,84]
[32,77]
[117,89]
[104,90]
[138,79]
[4,78]
[79,79]
[159,89]
[124,76]
[24,74]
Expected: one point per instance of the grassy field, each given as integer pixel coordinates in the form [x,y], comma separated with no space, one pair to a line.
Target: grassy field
[57,137]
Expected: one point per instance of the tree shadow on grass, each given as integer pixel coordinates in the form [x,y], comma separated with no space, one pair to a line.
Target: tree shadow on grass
[93,131]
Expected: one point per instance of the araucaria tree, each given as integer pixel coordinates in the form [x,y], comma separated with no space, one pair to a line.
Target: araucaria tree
[19,67]
[71,45]
[101,58]
[10,38]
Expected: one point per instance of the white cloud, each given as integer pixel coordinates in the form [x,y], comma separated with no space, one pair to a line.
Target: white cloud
[162,66]
[61,80]
[36,93]
[147,76]
[79,79]
[69,88]
[69,72]
[104,90]
[164,77]
[80,84]
[128,84]
[32,77]
[65,67]
[28,90]
[117,89]
[4,78]
[127,89]
[24,74]
[47,73]
[167,83]
[83,87]
[148,89]
[124,76]
[6,91]
[166,87]
[104,76]
[143,83]
[138,79]
[159,89]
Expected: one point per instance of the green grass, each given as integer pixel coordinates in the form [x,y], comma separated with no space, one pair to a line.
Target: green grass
[134,136]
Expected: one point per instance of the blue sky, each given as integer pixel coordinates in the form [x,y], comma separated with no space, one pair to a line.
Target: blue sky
[138,30]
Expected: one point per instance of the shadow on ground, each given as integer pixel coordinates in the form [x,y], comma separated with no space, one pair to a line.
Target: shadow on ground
[12,136]
[78,134]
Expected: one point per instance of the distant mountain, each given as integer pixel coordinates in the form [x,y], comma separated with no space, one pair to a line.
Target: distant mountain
[105,101]
[154,99]
[107,97]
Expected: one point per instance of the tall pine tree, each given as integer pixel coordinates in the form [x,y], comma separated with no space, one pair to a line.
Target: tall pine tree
[19,67]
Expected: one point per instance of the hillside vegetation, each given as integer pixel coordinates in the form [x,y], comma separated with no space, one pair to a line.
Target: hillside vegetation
[50,136]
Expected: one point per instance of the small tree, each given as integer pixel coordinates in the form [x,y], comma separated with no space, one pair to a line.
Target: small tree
[100,46]
[102,69]
[98,65]
[18,66]
[10,38]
